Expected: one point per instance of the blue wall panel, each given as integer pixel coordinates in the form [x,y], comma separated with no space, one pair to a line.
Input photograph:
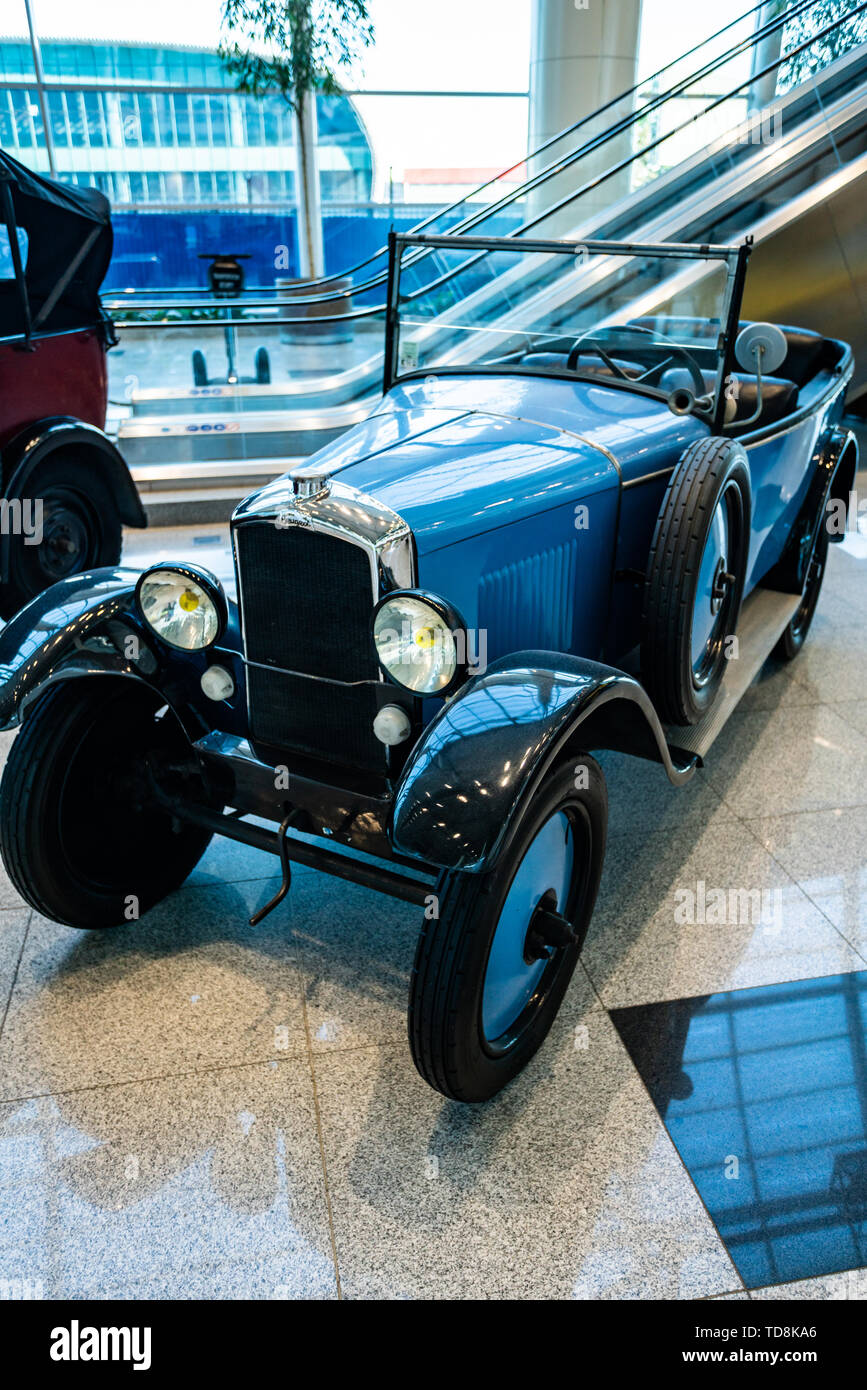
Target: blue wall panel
[160,250]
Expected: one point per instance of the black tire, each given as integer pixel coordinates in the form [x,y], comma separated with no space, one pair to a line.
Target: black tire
[710,477]
[263,367]
[78,842]
[446,1031]
[200,368]
[795,634]
[81,529]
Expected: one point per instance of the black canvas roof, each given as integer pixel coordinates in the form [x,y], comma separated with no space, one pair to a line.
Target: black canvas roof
[69,242]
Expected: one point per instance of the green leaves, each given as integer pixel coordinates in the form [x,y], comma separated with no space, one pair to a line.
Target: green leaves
[292,46]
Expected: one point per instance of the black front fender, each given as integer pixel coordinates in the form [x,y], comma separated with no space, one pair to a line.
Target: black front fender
[87,626]
[483,756]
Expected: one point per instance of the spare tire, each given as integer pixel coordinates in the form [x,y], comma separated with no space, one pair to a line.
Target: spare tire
[695,578]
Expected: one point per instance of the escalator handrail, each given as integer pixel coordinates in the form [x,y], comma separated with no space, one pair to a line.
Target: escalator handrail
[518,232]
[372,310]
[750,41]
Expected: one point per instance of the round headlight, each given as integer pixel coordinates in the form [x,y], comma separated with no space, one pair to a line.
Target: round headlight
[418,642]
[183,606]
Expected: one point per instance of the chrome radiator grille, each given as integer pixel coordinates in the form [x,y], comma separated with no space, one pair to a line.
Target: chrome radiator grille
[312,677]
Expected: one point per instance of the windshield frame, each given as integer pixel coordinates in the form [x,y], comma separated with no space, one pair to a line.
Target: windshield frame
[734,257]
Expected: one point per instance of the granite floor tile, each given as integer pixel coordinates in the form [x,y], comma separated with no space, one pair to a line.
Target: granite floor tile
[190,985]
[10,898]
[13,929]
[849,1284]
[826,853]
[647,940]
[641,798]
[833,662]
[563,1186]
[227,861]
[854,712]
[355,948]
[185,1188]
[776,686]
[768,763]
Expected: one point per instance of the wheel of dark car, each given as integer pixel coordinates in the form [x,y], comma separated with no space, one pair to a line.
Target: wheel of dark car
[795,634]
[72,507]
[491,969]
[695,578]
[79,840]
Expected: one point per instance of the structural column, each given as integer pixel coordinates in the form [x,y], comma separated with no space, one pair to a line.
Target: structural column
[584,53]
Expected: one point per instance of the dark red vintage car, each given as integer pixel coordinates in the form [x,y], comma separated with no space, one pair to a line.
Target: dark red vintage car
[65,491]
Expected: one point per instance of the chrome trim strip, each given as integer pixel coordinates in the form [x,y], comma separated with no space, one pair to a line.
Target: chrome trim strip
[802,413]
[305,675]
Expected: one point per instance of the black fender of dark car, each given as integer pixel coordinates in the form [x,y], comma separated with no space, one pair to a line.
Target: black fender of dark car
[89,626]
[23,455]
[485,753]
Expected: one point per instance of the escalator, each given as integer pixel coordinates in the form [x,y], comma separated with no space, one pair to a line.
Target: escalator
[764,134]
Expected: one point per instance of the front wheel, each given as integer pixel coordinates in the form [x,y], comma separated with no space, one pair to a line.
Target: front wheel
[78,838]
[491,970]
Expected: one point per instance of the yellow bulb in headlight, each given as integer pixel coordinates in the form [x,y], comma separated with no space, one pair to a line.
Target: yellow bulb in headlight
[415,644]
[179,609]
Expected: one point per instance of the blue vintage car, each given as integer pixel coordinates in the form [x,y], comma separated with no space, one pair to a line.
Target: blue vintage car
[590,504]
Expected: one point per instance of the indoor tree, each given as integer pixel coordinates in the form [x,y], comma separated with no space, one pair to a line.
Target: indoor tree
[294,48]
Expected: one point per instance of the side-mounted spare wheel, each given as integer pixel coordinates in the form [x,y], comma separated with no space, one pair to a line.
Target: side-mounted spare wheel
[695,578]
[78,837]
[498,949]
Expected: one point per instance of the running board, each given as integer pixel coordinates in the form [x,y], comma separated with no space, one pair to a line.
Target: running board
[764,617]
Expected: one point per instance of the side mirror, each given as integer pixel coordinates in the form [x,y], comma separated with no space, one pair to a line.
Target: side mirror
[761,348]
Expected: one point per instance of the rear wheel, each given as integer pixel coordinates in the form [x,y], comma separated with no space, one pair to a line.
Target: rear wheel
[80,529]
[490,973]
[78,838]
[795,634]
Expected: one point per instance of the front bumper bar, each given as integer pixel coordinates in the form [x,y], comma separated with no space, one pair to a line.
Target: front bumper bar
[330,829]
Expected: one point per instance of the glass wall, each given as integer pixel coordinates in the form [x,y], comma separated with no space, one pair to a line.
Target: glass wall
[179,135]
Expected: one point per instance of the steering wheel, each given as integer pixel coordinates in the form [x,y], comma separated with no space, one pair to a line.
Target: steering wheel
[587,343]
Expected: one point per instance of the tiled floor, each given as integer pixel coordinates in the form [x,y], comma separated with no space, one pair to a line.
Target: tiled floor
[193,1108]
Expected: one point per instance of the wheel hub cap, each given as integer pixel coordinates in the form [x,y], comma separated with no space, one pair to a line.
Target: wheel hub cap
[529,923]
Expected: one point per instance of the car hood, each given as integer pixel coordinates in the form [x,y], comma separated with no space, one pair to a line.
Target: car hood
[455,456]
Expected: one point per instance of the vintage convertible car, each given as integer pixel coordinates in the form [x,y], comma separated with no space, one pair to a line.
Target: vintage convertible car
[55,246]
[589,506]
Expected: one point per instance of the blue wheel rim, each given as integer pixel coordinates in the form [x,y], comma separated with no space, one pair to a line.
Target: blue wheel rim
[706,607]
[510,981]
